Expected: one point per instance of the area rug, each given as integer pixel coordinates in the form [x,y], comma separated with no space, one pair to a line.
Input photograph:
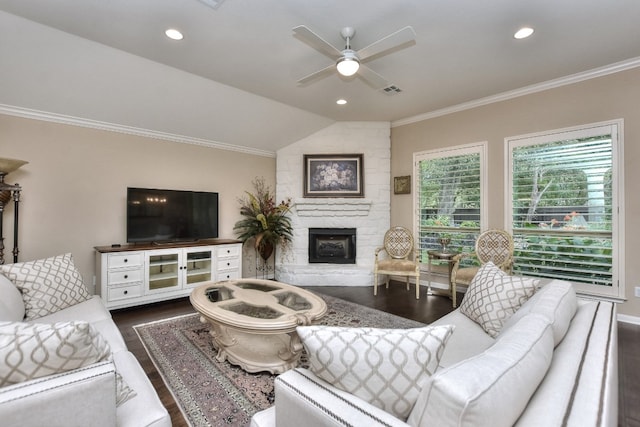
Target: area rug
[212,393]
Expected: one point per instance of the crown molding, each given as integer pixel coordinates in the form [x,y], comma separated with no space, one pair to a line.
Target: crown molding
[527,90]
[129,130]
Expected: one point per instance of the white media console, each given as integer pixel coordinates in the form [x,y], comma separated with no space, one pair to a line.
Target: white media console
[134,274]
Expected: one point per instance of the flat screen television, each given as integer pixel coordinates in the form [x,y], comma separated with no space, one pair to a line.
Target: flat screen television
[155,215]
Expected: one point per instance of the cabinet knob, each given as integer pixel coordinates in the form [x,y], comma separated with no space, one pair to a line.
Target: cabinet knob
[126,276]
[228,264]
[126,260]
[228,251]
[126,292]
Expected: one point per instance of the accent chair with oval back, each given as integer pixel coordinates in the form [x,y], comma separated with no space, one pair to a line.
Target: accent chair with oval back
[400,248]
[492,245]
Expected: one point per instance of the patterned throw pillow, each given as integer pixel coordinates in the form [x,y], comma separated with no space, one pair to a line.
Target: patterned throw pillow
[35,350]
[385,367]
[47,285]
[493,296]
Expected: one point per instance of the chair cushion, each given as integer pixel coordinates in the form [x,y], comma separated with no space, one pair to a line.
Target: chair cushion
[47,285]
[11,303]
[493,296]
[396,265]
[491,388]
[385,367]
[466,275]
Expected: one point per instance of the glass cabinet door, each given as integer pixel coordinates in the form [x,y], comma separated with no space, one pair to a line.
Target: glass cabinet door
[164,272]
[198,267]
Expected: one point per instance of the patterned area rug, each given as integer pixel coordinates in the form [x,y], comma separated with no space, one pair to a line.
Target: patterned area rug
[211,393]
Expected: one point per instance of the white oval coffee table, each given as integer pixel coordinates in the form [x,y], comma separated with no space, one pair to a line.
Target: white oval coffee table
[253,322]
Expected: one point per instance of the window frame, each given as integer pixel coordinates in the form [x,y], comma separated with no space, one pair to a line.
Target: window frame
[616,291]
[479,148]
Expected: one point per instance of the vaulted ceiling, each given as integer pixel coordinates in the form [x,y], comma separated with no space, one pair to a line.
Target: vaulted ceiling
[241,57]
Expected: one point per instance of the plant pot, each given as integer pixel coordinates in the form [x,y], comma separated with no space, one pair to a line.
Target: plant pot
[265,250]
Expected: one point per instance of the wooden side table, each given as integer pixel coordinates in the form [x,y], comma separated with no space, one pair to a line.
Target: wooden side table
[448,257]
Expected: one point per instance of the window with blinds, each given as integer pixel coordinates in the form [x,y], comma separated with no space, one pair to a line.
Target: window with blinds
[449,197]
[564,202]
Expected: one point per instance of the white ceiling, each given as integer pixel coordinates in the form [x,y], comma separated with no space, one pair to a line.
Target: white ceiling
[464,49]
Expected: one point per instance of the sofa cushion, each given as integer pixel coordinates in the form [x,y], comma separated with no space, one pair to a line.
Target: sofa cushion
[384,367]
[491,388]
[557,300]
[468,340]
[94,312]
[493,296]
[11,304]
[47,285]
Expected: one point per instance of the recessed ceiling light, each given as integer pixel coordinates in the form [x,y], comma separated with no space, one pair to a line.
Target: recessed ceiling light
[174,34]
[523,33]
[341,101]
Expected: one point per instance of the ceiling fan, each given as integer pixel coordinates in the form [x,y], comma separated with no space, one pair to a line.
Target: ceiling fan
[348,61]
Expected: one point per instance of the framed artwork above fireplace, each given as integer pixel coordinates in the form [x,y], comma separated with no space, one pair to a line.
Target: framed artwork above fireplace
[333,175]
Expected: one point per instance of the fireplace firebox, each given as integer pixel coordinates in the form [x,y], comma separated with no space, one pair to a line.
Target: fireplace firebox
[332,245]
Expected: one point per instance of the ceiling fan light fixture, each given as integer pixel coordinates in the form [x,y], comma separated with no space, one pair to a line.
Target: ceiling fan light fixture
[523,33]
[348,64]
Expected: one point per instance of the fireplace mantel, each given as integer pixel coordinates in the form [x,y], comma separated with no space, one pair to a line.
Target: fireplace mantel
[332,206]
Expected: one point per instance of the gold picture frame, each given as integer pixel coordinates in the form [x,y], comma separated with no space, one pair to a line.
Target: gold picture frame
[402,184]
[333,175]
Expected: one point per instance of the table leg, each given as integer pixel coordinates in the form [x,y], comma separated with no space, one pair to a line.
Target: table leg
[452,285]
[429,292]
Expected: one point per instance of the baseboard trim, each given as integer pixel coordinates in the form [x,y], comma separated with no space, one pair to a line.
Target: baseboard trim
[625,318]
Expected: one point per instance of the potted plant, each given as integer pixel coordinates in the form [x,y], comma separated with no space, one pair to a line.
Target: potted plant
[264,221]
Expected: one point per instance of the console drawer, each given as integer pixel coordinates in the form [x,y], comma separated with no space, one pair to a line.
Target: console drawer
[124,260]
[125,276]
[228,275]
[125,292]
[228,251]
[228,264]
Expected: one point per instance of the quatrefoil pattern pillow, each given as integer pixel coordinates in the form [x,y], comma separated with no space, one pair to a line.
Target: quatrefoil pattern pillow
[47,285]
[385,367]
[36,350]
[493,296]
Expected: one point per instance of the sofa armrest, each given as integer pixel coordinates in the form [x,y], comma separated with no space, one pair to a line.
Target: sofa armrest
[581,386]
[81,397]
[304,399]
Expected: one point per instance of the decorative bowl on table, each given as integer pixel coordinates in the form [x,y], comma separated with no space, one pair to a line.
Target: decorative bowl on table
[444,242]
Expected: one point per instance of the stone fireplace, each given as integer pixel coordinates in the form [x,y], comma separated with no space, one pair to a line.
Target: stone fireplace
[369,216]
[332,245]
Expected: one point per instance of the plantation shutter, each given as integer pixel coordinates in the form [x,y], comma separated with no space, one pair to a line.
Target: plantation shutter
[449,198]
[564,207]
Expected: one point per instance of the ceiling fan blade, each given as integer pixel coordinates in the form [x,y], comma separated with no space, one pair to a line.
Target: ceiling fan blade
[372,78]
[398,40]
[315,41]
[317,75]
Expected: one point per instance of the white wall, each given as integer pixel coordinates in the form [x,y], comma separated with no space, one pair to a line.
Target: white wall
[74,186]
[369,215]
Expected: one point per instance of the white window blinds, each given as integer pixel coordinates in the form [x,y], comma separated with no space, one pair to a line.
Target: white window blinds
[563,206]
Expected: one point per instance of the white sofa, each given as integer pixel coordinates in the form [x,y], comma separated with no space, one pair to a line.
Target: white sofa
[84,396]
[552,363]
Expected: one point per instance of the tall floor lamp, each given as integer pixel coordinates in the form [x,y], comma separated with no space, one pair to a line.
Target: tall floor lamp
[7,192]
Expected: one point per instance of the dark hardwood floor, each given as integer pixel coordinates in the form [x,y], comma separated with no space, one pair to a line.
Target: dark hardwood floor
[394,300]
